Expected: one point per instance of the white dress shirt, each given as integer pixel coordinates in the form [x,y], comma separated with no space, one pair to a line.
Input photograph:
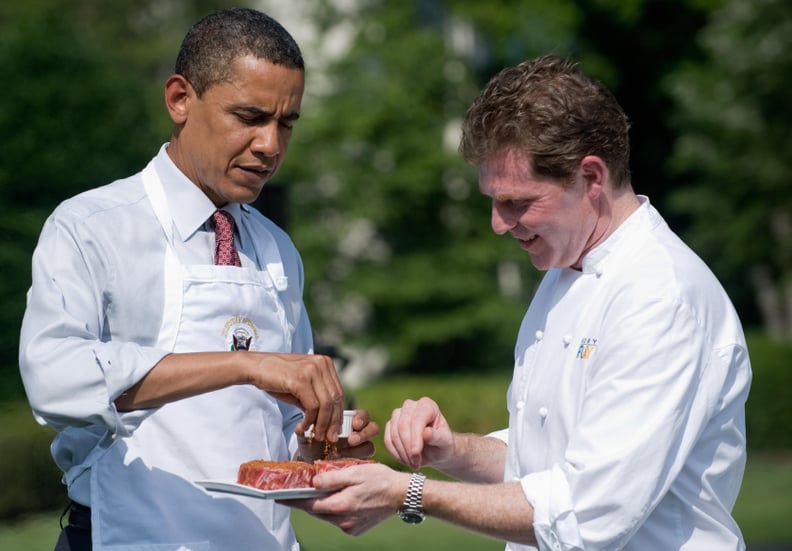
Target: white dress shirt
[627,427]
[95,305]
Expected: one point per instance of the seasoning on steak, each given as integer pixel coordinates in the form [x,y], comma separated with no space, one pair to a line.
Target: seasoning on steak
[280,475]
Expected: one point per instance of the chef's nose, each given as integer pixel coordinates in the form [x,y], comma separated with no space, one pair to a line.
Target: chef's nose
[501,221]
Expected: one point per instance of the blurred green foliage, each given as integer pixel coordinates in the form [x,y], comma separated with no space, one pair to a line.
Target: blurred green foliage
[81,106]
[28,475]
[397,240]
[733,153]
[70,119]
[399,250]
[769,409]
[395,237]
[394,234]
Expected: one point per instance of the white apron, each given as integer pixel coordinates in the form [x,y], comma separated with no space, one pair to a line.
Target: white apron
[143,496]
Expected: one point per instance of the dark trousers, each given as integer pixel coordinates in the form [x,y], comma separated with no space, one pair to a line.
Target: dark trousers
[75,536]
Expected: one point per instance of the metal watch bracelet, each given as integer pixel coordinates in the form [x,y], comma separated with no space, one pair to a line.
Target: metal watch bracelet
[411,510]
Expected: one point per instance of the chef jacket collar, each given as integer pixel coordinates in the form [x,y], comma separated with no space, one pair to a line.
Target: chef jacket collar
[596,260]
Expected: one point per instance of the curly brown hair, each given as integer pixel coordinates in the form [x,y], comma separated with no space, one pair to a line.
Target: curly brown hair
[213,43]
[550,110]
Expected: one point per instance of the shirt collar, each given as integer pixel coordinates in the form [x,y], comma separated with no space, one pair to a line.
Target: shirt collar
[189,206]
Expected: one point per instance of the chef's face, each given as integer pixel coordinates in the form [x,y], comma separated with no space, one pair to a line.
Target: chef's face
[552,222]
[232,140]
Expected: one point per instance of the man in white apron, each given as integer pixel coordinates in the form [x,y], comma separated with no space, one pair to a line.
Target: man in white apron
[158,363]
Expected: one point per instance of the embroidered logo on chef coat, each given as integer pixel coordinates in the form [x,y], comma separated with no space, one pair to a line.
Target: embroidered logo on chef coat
[586,348]
[240,334]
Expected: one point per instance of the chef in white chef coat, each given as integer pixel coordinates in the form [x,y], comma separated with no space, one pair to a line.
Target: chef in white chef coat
[627,402]
[159,368]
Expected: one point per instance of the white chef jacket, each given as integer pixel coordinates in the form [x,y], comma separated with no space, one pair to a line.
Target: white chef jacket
[626,426]
[96,306]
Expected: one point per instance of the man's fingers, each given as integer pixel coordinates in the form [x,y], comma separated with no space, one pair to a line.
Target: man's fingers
[400,440]
[393,443]
[362,434]
[309,382]
[330,398]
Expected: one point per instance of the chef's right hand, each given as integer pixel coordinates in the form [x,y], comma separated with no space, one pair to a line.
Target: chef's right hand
[418,435]
[308,381]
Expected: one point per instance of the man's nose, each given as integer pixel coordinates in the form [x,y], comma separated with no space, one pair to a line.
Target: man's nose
[501,222]
[267,140]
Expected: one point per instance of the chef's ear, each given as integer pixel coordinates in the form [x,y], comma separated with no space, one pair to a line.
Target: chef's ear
[179,93]
[595,174]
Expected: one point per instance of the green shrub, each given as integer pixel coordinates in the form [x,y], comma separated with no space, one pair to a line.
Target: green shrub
[470,403]
[768,413]
[29,478]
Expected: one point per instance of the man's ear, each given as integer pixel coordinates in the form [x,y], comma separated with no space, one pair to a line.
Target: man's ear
[178,93]
[595,174]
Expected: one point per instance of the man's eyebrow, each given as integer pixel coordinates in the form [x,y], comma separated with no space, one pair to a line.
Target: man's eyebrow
[259,112]
[512,198]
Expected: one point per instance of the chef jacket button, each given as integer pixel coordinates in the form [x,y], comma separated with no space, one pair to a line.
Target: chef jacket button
[567,339]
[598,272]
[542,412]
[539,335]
[520,404]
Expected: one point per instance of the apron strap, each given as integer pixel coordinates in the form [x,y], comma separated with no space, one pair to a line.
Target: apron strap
[173,302]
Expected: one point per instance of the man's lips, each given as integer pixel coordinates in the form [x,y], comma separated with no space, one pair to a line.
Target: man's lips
[256,169]
[255,175]
[526,242]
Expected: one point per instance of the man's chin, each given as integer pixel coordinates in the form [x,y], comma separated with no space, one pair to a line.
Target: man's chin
[245,194]
[540,263]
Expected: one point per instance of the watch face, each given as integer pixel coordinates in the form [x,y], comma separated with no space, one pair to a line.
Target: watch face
[411,516]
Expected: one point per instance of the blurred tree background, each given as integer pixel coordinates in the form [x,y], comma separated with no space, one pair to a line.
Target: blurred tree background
[401,262]
[399,247]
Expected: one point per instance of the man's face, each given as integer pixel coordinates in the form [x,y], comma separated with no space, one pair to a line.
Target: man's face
[233,139]
[551,222]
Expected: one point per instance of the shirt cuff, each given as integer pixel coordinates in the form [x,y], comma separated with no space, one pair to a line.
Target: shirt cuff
[502,435]
[555,522]
[132,363]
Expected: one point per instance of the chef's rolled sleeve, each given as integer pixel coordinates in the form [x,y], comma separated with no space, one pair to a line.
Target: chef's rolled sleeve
[555,522]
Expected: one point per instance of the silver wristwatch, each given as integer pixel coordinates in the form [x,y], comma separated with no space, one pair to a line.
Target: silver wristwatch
[411,510]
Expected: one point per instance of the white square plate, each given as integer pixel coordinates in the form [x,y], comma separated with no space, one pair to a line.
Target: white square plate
[242,490]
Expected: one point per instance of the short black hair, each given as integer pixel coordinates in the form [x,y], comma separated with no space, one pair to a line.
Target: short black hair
[213,43]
